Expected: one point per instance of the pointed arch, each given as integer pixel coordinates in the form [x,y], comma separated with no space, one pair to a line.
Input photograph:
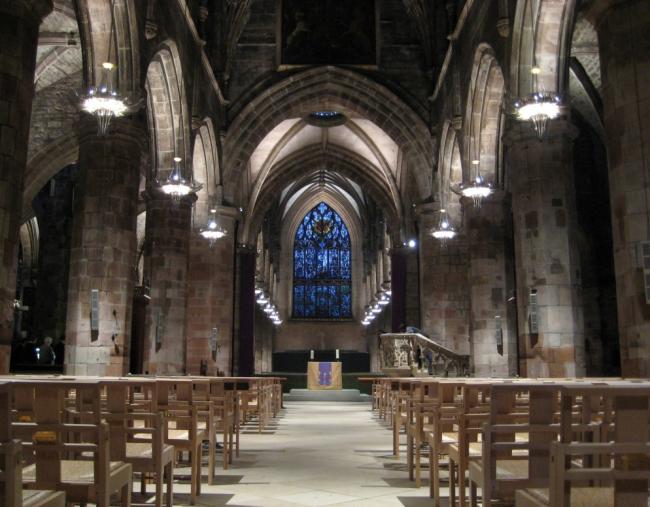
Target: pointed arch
[541,37]
[484,115]
[329,88]
[322,266]
[450,170]
[167,110]
[110,26]
[205,170]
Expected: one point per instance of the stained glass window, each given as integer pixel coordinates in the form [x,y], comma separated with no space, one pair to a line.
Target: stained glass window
[322,278]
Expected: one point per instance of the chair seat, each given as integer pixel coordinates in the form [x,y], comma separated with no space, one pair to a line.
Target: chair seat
[75,471]
[580,497]
[144,450]
[178,434]
[507,469]
[38,498]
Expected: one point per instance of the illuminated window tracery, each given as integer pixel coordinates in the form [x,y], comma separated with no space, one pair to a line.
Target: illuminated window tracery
[322,277]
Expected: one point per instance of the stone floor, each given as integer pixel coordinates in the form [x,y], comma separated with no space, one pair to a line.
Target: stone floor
[314,454]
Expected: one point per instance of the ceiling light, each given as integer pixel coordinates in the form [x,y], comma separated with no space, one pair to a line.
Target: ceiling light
[213,231]
[539,107]
[103,101]
[176,186]
[445,230]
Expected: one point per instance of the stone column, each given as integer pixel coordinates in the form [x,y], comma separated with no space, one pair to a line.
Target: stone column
[167,239]
[103,248]
[210,297]
[246,344]
[623,28]
[443,285]
[398,284]
[19,22]
[492,341]
[546,250]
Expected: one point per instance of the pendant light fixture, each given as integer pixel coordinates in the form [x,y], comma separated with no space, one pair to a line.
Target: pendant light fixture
[176,185]
[478,188]
[213,231]
[538,107]
[444,231]
[103,100]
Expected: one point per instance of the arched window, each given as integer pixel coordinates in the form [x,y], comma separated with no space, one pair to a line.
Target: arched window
[322,279]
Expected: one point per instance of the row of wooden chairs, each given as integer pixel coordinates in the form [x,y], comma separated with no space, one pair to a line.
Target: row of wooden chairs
[86,436]
[557,442]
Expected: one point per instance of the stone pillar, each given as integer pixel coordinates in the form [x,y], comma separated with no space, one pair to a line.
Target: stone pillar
[167,239]
[103,248]
[246,344]
[546,250]
[19,22]
[623,28]
[493,343]
[210,297]
[398,264]
[443,286]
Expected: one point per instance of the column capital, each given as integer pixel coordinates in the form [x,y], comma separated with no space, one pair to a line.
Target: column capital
[120,130]
[560,129]
[153,193]
[245,249]
[37,8]
[496,197]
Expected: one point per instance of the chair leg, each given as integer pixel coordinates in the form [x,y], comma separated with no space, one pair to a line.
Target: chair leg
[170,484]
[472,494]
[125,500]
[462,495]
[143,483]
[193,477]
[418,459]
[435,465]
[395,437]
[431,488]
[452,483]
[199,459]
[409,454]
[212,456]
[159,485]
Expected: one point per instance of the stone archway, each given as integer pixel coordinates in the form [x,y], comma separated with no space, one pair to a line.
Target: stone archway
[328,88]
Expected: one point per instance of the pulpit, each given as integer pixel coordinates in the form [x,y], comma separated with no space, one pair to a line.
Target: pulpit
[323,375]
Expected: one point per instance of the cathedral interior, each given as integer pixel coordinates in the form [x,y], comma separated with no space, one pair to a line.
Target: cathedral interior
[378,121]
[231,188]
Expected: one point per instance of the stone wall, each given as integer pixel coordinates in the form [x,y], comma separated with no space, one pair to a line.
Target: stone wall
[210,304]
[444,292]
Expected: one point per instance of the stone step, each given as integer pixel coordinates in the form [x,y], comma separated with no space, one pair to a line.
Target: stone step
[345,395]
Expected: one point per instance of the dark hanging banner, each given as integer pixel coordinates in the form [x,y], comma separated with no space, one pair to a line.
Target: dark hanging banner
[328,32]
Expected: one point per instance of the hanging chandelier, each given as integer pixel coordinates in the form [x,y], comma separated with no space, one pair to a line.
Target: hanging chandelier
[103,101]
[445,231]
[477,189]
[176,186]
[213,231]
[538,107]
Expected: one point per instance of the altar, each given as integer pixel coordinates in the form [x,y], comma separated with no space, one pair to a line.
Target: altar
[324,376]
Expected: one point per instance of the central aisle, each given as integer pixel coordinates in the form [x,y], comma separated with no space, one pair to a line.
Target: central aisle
[316,454]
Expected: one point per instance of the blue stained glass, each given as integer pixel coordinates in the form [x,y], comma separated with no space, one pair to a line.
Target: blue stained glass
[322,273]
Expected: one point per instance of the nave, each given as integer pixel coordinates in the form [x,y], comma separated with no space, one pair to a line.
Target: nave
[315,454]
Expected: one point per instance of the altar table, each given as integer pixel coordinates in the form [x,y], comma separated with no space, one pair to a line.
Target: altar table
[324,375]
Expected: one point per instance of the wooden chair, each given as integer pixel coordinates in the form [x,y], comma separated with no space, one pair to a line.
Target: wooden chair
[137,434]
[612,472]
[183,431]
[474,412]
[11,476]
[443,432]
[507,462]
[70,457]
